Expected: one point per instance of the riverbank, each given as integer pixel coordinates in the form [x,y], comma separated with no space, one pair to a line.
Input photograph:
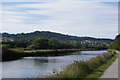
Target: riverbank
[34,67]
[13,54]
[8,55]
[100,70]
[92,68]
[46,53]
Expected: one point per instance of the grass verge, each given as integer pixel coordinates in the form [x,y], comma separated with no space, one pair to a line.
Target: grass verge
[92,68]
[100,70]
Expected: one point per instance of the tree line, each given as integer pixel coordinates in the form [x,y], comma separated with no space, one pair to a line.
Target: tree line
[45,43]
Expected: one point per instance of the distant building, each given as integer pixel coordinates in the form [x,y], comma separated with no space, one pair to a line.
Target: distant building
[6,39]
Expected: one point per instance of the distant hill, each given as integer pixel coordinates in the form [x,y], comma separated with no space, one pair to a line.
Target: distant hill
[48,34]
[116,43]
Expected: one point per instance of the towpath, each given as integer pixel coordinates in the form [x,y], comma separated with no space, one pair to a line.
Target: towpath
[112,70]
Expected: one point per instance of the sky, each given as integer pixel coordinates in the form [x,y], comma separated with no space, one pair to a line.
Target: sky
[93,18]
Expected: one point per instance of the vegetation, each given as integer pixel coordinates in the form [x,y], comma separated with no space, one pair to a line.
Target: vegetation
[89,68]
[48,34]
[8,54]
[47,43]
[13,54]
[15,46]
[17,43]
[100,70]
[116,44]
[56,52]
[64,41]
[42,43]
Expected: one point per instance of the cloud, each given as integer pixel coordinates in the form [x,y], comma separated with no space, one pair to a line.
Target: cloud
[73,17]
[58,0]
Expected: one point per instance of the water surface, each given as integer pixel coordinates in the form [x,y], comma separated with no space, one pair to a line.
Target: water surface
[32,67]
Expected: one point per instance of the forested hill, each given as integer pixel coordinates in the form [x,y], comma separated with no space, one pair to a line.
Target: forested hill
[48,34]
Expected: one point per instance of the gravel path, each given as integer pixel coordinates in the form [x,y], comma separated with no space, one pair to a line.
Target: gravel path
[112,71]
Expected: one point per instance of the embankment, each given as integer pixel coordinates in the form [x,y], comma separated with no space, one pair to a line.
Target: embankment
[9,54]
[92,68]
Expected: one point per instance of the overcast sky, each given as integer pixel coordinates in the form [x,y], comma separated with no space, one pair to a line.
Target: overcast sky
[73,17]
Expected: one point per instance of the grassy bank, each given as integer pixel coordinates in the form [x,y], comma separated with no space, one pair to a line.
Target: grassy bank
[100,70]
[47,52]
[8,54]
[13,54]
[92,68]
[56,52]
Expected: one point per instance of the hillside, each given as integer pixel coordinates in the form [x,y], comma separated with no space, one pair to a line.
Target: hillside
[116,43]
[25,40]
[47,34]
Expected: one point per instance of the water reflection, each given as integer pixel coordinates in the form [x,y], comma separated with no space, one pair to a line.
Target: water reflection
[32,67]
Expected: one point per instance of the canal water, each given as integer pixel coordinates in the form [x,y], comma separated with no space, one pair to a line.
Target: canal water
[33,67]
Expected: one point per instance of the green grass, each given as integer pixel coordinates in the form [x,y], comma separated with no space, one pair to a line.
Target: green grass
[100,70]
[56,52]
[27,51]
[92,68]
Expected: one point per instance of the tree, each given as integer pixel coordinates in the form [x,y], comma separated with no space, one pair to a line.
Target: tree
[76,44]
[53,43]
[39,43]
[116,43]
